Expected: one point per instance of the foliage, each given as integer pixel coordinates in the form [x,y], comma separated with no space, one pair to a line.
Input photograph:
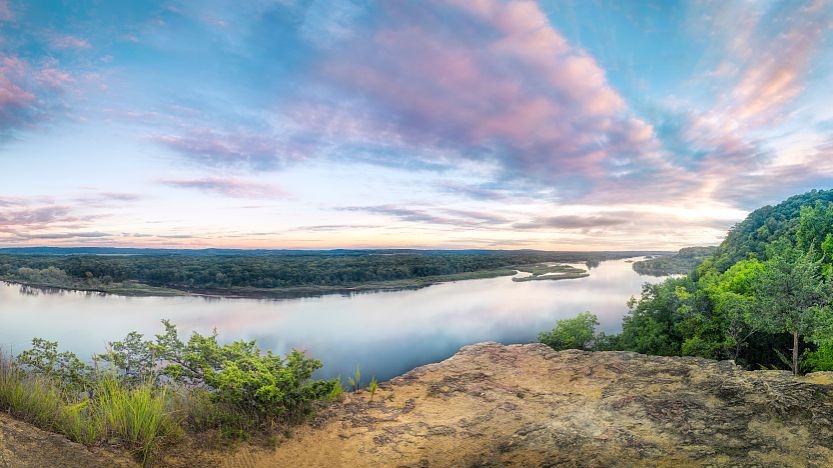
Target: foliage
[820,359]
[791,291]
[573,333]
[44,359]
[650,324]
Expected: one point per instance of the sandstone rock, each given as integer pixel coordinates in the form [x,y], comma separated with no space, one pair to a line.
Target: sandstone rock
[527,405]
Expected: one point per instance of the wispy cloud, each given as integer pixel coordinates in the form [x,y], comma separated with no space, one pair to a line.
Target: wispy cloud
[68,42]
[436,216]
[5,11]
[572,222]
[29,93]
[229,187]
[234,149]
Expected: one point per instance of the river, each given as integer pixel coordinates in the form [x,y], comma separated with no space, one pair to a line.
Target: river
[385,333]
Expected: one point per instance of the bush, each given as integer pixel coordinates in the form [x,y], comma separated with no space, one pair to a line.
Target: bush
[265,386]
[574,333]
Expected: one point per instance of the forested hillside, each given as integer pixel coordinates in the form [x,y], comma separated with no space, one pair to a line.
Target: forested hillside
[762,299]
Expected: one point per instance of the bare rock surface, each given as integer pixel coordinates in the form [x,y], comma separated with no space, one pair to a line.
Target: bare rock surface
[526,405]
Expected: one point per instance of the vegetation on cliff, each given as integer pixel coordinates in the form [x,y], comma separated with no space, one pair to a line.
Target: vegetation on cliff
[145,393]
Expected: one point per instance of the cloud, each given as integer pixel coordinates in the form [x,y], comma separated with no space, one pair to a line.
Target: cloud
[5,11]
[572,222]
[234,149]
[107,199]
[65,235]
[776,62]
[436,216]
[68,42]
[29,94]
[472,191]
[488,80]
[228,187]
[332,227]
[28,219]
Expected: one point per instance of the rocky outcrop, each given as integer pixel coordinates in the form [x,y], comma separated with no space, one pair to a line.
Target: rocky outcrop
[527,405]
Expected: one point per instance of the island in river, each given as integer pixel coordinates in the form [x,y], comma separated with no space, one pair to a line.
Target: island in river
[280,273]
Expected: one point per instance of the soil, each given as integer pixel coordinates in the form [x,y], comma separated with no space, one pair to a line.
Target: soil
[25,446]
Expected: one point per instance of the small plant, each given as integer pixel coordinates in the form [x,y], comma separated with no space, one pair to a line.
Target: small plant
[373,386]
[355,381]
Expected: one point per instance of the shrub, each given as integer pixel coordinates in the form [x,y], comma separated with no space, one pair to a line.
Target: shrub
[573,333]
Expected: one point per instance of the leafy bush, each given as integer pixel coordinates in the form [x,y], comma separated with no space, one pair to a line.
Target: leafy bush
[573,333]
[265,386]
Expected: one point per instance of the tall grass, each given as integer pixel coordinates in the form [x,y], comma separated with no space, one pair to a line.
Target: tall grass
[140,418]
[34,399]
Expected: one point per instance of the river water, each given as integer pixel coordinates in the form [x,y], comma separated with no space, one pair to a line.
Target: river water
[385,333]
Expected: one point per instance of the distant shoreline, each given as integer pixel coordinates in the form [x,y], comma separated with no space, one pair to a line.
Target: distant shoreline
[144,290]
[288,275]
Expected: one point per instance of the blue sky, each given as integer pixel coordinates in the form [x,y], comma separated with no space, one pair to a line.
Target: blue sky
[428,124]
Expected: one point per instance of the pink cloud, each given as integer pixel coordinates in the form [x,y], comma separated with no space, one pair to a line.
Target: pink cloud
[28,92]
[69,42]
[13,71]
[5,11]
[229,187]
[768,61]
[234,148]
[497,81]
[53,78]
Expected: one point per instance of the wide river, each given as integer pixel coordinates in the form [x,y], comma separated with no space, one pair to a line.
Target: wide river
[385,333]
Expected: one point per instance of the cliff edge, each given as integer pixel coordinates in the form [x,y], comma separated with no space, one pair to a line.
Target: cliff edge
[527,405]
[492,405]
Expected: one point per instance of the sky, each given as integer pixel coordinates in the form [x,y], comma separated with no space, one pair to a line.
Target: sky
[282,124]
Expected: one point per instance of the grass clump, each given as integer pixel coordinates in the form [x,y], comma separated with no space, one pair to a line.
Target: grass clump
[144,394]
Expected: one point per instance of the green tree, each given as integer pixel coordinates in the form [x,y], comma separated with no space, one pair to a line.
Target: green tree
[44,359]
[133,359]
[651,325]
[573,333]
[791,293]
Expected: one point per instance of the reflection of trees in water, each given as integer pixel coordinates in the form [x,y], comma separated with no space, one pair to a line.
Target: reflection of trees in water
[29,290]
[592,264]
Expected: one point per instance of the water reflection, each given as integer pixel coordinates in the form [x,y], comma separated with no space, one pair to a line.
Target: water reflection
[386,333]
